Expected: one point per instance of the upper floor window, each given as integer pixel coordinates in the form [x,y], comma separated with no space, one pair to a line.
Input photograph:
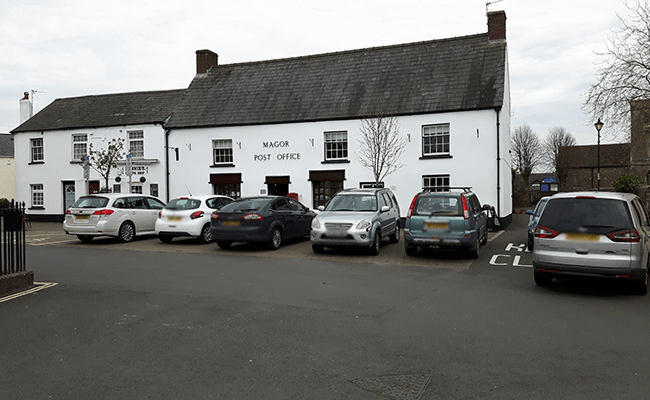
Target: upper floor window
[222,151]
[336,145]
[79,146]
[136,144]
[435,139]
[435,183]
[37,150]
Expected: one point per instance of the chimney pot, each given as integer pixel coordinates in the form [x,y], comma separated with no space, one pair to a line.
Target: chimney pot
[497,25]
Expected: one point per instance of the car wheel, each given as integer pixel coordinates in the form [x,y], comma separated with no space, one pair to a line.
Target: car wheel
[85,238]
[224,245]
[542,279]
[126,232]
[394,238]
[411,251]
[531,242]
[165,238]
[316,248]
[475,250]
[485,238]
[376,244]
[642,285]
[275,240]
[206,234]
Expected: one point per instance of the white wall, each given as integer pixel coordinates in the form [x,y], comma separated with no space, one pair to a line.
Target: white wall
[473,146]
[58,166]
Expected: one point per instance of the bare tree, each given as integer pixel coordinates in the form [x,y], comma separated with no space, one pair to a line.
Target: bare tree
[104,160]
[624,74]
[559,162]
[381,147]
[527,152]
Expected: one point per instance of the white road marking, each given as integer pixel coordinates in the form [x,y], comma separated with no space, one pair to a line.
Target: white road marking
[494,258]
[42,285]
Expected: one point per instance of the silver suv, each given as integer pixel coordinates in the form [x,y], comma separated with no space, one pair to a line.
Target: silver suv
[597,234]
[357,217]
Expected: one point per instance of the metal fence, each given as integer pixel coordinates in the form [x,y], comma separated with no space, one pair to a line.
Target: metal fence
[12,238]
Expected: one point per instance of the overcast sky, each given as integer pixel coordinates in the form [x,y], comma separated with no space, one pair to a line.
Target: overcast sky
[71,48]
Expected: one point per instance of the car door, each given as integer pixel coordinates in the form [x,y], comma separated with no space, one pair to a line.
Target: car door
[390,217]
[479,216]
[302,216]
[154,206]
[283,213]
[139,214]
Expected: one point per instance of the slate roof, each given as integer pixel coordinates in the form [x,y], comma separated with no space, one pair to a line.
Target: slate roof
[6,146]
[104,110]
[464,73]
[611,155]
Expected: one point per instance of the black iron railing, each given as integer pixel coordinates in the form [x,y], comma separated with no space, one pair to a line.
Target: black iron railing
[12,238]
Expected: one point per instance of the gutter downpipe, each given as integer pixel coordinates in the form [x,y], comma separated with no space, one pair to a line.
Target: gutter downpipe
[498,109]
[167,165]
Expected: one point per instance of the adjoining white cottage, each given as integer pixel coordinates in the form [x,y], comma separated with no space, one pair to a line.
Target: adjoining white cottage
[291,126]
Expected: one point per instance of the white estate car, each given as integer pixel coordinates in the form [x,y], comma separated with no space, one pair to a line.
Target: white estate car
[188,216]
[112,214]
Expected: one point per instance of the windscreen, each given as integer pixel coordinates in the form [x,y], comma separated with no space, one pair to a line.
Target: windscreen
[599,216]
[183,204]
[352,202]
[90,202]
[246,205]
[438,205]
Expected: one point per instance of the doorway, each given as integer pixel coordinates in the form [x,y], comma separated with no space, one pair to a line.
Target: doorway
[68,195]
[277,185]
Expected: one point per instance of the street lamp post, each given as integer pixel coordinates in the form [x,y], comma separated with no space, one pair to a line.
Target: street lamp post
[599,126]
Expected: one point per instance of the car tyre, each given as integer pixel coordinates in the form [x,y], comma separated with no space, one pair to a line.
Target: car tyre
[642,285]
[85,238]
[475,251]
[275,240]
[542,279]
[317,248]
[206,234]
[224,245]
[485,238]
[126,232]
[531,242]
[394,238]
[165,238]
[375,248]
[411,251]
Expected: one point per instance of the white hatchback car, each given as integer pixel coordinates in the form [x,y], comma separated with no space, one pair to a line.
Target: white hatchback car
[112,214]
[188,216]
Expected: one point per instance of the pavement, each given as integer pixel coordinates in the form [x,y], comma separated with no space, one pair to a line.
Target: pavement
[51,234]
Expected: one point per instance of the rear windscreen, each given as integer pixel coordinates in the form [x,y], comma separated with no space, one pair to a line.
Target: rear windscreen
[183,204]
[246,205]
[586,215]
[90,202]
[430,205]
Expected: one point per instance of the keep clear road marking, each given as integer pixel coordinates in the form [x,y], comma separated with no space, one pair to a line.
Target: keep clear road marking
[41,286]
[520,248]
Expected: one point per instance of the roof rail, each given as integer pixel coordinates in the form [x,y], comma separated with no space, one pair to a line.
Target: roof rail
[448,188]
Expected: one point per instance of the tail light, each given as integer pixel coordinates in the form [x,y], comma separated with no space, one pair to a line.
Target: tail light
[626,235]
[465,208]
[159,214]
[67,211]
[214,216]
[252,217]
[408,215]
[197,214]
[103,213]
[545,233]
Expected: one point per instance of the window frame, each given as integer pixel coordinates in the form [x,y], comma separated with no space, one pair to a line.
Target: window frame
[75,143]
[333,146]
[35,190]
[36,156]
[436,188]
[437,140]
[224,157]
[132,140]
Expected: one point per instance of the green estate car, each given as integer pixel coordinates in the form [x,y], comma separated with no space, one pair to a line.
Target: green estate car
[446,220]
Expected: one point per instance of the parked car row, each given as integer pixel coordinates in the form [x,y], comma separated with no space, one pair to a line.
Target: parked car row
[591,234]
[352,217]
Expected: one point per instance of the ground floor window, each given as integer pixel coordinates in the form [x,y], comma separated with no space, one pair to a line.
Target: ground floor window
[435,183]
[370,185]
[226,184]
[137,189]
[37,195]
[153,189]
[117,188]
[325,184]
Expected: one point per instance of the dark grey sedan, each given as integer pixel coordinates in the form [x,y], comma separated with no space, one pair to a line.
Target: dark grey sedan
[265,219]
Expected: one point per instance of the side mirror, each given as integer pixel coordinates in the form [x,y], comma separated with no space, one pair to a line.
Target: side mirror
[321,208]
[486,207]
[385,209]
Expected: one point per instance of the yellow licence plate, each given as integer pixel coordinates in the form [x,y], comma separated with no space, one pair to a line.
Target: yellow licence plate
[583,237]
[231,223]
[82,217]
[436,225]
[174,218]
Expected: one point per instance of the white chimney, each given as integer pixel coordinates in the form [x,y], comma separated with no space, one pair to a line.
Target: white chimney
[26,108]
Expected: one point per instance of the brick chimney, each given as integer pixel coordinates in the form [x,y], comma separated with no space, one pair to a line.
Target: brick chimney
[205,59]
[497,25]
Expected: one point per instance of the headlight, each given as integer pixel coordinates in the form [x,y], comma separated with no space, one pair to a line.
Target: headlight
[315,223]
[365,224]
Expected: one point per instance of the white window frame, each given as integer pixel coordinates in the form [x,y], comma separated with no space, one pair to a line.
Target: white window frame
[334,143]
[136,188]
[136,138]
[437,136]
[36,154]
[79,146]
[436,183]
[222,151]
[37,195]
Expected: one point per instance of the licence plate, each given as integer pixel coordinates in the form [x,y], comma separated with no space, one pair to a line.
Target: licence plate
[336,233]
[436,225]
[82,217]
[231,223]
[583,237]
[174,218]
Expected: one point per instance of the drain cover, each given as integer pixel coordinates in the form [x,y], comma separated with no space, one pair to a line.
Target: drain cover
[399,387]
